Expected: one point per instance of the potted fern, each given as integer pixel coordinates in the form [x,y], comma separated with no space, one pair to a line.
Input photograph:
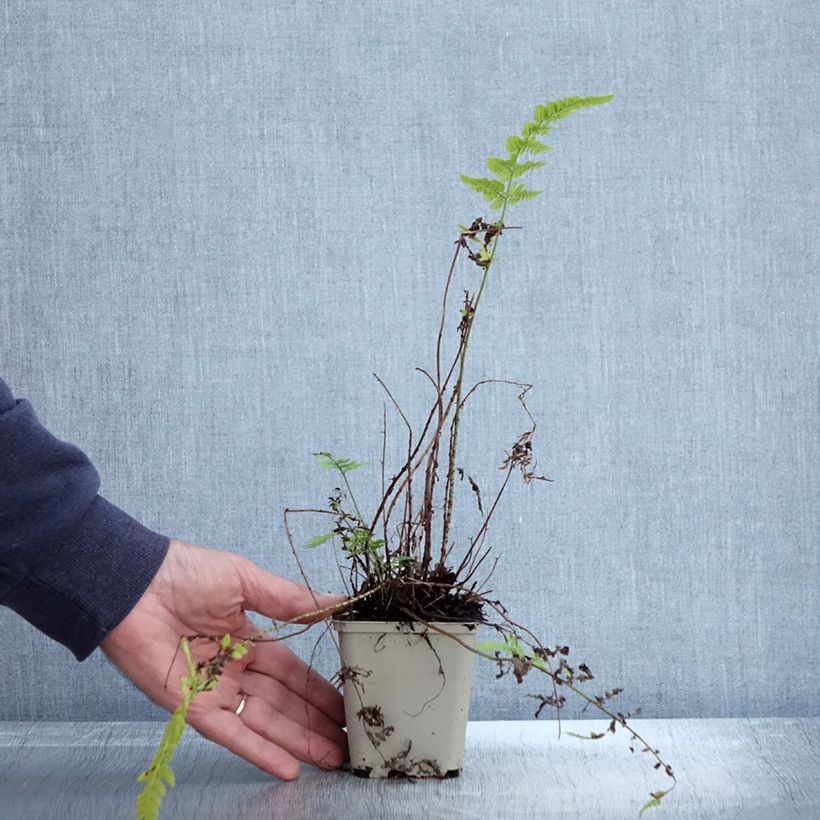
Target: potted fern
[417,594]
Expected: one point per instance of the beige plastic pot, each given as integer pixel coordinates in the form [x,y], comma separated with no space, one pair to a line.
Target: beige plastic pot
[407,695]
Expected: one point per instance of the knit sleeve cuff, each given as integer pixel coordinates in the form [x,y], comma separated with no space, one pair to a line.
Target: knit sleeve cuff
[81,590]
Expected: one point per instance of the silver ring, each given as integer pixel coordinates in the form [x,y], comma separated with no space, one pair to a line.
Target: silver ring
[238,710]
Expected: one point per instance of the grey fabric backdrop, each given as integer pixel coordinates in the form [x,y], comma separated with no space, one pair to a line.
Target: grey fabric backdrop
[218,218]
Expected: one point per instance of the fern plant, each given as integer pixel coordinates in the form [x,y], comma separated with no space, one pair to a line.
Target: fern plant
[410,568]
[201,677]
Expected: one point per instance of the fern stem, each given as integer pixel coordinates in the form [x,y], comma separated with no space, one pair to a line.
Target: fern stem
[451,455]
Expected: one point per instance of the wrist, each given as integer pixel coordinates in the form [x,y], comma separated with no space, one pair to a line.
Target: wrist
[81,590]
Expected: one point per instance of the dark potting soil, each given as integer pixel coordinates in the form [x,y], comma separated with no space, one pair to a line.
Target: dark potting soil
[394,774]
[416,600]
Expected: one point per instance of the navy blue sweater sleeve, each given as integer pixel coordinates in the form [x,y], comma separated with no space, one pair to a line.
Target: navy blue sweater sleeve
[71,563]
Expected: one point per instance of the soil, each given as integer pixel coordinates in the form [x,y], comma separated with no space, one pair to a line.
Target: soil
[406,601]
[394,774]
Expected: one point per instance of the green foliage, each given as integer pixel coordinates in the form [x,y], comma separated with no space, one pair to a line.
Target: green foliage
[491,189]
[159,774]
[318,540]
[491,646]
[655,801]
[510,648]
[238,651]
[517,192]
[361,541]
[355,540]
[538,663]
[158,777]
[501,190]
[343,465]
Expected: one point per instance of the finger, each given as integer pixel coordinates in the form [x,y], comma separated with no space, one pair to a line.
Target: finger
[299,741]
[280,663]
[281,599]
[281,699]
[229,730]
[277,662]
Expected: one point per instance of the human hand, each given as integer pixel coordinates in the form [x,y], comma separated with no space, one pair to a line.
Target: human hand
[291,713]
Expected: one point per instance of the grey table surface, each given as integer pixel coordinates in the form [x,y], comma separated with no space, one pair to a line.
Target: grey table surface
[751,768]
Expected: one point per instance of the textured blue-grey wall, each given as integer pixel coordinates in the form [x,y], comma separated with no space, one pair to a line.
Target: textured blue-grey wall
[218,218]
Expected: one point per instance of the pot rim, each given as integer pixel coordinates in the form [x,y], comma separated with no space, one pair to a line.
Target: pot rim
[403,627]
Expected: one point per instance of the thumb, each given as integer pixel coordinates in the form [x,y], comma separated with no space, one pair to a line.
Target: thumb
[280,599]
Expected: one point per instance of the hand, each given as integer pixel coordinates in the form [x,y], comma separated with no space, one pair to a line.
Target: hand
[291,713]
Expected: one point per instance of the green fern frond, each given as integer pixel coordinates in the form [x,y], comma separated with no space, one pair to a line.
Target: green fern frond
[654,802]
[159,773]
[318,540]
[343,465]
[502,192]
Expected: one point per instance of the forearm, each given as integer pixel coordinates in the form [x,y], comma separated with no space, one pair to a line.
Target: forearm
[71,563]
